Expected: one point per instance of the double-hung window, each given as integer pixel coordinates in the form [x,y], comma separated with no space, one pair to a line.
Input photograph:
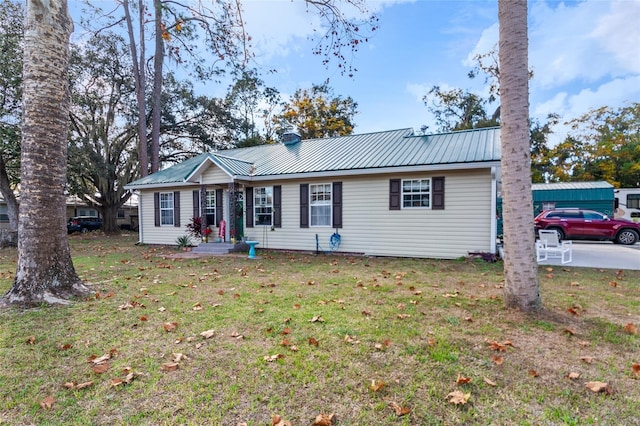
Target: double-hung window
[210,207]
[416,193]
[263,206]
[320,204]
[166,208]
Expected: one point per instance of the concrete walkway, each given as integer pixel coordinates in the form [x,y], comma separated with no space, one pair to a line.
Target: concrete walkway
[601,254]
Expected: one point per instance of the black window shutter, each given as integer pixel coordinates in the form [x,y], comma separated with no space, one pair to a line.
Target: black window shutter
[219,206]
[337,204]
[277,206]
[438,193]
[394,194]
[176,209]
[304,205]
[248,202]
[196,203]
[156,208]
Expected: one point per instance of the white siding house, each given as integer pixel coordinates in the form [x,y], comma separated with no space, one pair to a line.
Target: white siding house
[384,194]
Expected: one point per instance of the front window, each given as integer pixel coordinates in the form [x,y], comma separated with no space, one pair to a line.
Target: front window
[166,208]
[416,193]
[4,217]
[633,201]
[210,207]
[320,204]
[263,206]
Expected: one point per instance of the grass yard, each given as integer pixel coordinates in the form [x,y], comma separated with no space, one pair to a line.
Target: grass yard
[374,341]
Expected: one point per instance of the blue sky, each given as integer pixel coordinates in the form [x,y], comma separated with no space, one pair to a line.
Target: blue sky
[584,55]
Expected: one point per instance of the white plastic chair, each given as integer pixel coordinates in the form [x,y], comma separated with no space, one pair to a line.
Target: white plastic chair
[550,246]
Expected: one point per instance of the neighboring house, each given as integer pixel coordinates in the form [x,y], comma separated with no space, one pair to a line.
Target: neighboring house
[386,194]
[127,214]
[598,196]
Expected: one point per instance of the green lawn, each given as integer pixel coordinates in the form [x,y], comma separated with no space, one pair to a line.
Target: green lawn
[374,341]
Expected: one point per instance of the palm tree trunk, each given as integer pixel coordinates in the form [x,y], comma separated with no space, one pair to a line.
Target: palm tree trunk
[522,287]
[45,272]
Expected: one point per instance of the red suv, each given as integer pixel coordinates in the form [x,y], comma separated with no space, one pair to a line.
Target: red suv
[578,224]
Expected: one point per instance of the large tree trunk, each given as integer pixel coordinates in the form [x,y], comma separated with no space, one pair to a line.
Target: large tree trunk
[522,287]
[45,272]
[156,109]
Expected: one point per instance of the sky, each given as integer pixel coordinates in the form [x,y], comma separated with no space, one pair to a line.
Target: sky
[584,55]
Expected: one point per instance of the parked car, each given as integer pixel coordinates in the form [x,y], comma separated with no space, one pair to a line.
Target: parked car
[83,224]
[580,224]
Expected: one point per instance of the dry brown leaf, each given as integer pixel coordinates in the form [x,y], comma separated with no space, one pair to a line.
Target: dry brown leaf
[399,410]
[570,331]
[99,360]
[31,340]
[313,341]
[101,368]
[277,420]
[116,382]
[458,397]
[376,385]
[324,420]
[286,330]
[177,357]
[489,382]
[169,326]
[497,346]
[207,334]
[169,366]
[573,376]
[48,402]
[587,359]
[497,359]
[293,348]
[631,329]
[317,319]
[534,373]
[272,358]
[351,339]
[462,380]
[599,387]
[143,318]
[366,313]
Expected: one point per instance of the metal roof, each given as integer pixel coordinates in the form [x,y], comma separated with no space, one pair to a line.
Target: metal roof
[380,150]
[570,185]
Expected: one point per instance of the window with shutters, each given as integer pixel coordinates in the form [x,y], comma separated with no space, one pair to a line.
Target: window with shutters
[166,208]
[320,204]
[416,193]
[263,206]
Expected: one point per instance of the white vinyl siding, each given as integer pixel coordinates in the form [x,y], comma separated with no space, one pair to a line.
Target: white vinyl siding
[369,227]
[166,208]
[320,204]
[416,193]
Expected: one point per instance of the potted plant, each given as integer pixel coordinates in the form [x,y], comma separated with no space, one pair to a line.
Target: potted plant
[184,243]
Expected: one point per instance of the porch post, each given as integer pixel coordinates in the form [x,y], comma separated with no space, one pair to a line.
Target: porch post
[233,196]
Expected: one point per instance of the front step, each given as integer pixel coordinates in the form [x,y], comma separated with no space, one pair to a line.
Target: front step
[214,248]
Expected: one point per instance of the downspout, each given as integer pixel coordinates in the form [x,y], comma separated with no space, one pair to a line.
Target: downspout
[494,205]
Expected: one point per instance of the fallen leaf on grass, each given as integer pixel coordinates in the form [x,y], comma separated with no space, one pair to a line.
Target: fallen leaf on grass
[534,373]
[207,334]
[272,358]
[277,420]
[48,402]
[631,329]
[169,366]
[599,387]
[169,326]
[78,386]
[376,385]
[573,376]
[177,357]
[351,339]
[31,340]
[324,420]
[500,347]
[399,410]
[65,346]
[143,318]
[635,368]
[586,359]
[317,319]
[462,380]
[497,359]
[286,330]
[313,341]
[162,309]
[489,382]
[458,397]
[101,368]
[570,331]
[403,316]
[197,307]
[99,360]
